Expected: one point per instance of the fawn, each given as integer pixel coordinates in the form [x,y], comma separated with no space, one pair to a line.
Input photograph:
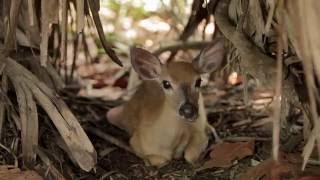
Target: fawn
[166,117]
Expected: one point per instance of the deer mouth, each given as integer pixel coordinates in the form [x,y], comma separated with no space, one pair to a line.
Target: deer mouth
[190,120]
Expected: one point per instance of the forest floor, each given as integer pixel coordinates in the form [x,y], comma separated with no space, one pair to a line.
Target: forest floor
[246,129]
[232,124]
[243,153]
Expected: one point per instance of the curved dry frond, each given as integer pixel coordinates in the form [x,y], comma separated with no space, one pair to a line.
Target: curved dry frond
[28,87]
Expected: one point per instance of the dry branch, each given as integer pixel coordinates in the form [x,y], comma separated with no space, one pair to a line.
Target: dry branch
[109,138]
[255,62]
[105,44]
[181,46]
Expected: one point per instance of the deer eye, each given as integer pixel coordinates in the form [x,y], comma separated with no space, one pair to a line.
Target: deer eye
[166,84]
[198,83]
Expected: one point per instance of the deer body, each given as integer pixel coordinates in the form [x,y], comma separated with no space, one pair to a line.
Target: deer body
[165,117]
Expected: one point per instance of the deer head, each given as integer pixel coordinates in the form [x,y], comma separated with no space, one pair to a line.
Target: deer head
[180,81]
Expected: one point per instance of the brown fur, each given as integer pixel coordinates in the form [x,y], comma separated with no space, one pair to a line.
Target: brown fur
[158,132]
[166,123]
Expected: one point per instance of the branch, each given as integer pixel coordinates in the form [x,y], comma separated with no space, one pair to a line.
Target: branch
[109,138]
[253,60]
[198,13]
[105,44]
[181,46]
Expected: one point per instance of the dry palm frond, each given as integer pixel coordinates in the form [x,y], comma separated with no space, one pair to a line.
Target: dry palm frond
[29,91]
[303,26]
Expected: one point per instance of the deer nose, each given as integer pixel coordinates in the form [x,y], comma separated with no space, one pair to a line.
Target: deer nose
[188,111]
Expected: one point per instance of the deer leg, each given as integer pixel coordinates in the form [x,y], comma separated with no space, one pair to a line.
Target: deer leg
[157,160]
[195,147]
[114,116]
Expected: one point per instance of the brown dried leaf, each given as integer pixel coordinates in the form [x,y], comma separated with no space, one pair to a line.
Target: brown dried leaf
[224,154]
[269,169]
[309,178]
[10,172]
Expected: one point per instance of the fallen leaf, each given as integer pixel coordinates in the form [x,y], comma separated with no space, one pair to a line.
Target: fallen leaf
[225,154]
[269,169]
[309,178]
[10,172]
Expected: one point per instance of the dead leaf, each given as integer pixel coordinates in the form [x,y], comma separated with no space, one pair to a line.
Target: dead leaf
[269,169]
[224,154]
[11,172]
[309,178]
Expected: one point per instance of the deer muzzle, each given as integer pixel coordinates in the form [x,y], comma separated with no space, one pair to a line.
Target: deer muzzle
[188,111]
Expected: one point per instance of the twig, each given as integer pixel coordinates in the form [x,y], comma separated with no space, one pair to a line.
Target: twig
[277,98]
[45,159]
[314,162]
[13,155]
[109,138]
[198,14]
[236,139]
[76,48]
[105,44]
[214,132]
[104,176]
[181,46]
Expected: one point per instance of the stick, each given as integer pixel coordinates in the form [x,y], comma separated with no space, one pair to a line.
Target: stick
[109,138]
[181,46]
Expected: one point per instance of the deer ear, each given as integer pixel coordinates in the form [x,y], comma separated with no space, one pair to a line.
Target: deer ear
[210,58]
[145,63]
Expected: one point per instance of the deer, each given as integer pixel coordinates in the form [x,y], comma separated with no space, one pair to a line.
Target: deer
[166,117]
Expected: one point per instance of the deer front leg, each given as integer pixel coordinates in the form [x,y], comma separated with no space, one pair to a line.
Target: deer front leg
[156,160]
[149,155]
[197,144]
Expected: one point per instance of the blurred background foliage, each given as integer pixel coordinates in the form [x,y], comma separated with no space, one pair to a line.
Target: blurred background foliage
[144,23]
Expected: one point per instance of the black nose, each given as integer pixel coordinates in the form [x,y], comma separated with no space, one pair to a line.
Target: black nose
[188,110]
